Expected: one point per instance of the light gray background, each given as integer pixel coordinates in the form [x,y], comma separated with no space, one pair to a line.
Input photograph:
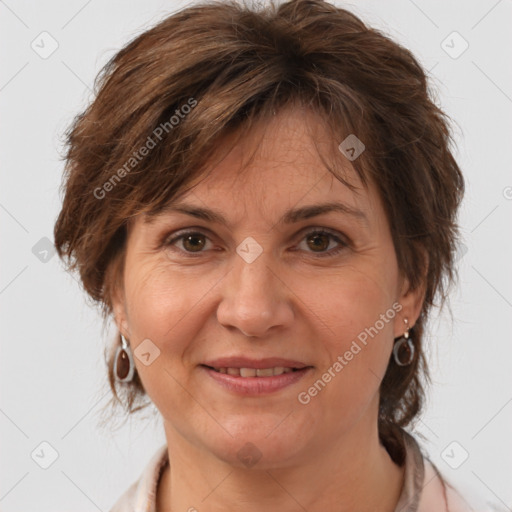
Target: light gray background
[52,372]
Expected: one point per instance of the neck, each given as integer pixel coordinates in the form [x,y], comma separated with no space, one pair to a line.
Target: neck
[355,474]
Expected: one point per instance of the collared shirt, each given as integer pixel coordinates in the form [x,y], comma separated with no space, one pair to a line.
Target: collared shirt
[424,489]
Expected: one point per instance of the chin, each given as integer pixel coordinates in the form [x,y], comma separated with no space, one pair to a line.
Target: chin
[260,441]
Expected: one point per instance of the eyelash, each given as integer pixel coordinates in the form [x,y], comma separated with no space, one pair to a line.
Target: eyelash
[316,231]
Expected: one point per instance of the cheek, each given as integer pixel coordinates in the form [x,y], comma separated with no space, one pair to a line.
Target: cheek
[163,306]
[354,311]
[159,300]
[169,308]
[348,301]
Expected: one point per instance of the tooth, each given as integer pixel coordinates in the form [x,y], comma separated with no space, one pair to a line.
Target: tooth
[252,372]
[265,372]
[247,372]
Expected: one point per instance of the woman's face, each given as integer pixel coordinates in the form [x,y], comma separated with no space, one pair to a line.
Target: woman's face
[320,292]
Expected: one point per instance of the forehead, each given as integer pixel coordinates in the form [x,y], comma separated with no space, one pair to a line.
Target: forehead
[294,145]
[283,169]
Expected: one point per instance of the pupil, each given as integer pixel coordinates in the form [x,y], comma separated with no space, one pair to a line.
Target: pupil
[193,246]
[321,245]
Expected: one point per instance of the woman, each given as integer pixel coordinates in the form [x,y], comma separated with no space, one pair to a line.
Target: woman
[265,202]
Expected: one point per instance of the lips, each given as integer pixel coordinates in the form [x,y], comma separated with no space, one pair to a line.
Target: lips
[255,372]
[244,362]
[245,381]
[246,376]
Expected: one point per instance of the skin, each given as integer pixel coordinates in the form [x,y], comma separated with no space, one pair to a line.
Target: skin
[290,302]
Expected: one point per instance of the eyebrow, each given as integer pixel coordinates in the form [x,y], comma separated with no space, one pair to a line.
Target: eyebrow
[289,217]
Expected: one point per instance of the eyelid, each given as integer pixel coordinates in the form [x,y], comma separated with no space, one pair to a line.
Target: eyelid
[169,240]
[340,238]
[322,229]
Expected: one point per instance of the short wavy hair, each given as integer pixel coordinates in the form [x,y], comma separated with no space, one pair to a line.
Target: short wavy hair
[218,67]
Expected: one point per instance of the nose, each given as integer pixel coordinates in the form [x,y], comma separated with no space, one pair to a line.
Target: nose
[254,299]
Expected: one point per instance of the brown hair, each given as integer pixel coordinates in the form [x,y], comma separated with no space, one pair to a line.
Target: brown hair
[218,67]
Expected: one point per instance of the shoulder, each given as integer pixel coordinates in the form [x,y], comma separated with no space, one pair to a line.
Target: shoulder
[126,503]
[439,495]
[426,489]
[141,495]
[460,498]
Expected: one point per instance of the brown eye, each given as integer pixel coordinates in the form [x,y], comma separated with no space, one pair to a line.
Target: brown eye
[319,241]
[194,243]
[191,242]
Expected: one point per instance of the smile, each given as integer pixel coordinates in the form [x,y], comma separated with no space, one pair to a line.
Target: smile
[255,372]
[255,381]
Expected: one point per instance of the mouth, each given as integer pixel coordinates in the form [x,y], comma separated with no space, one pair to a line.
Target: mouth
[251,377]
[254,372]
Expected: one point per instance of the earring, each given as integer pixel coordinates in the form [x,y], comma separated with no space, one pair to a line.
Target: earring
[124,367]
[404,345]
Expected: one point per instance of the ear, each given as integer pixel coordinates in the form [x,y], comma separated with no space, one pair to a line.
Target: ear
[118,300]
[119,310]
[412,303]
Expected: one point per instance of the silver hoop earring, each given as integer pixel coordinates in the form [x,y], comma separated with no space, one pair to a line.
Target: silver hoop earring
[404,346]
[124,367]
